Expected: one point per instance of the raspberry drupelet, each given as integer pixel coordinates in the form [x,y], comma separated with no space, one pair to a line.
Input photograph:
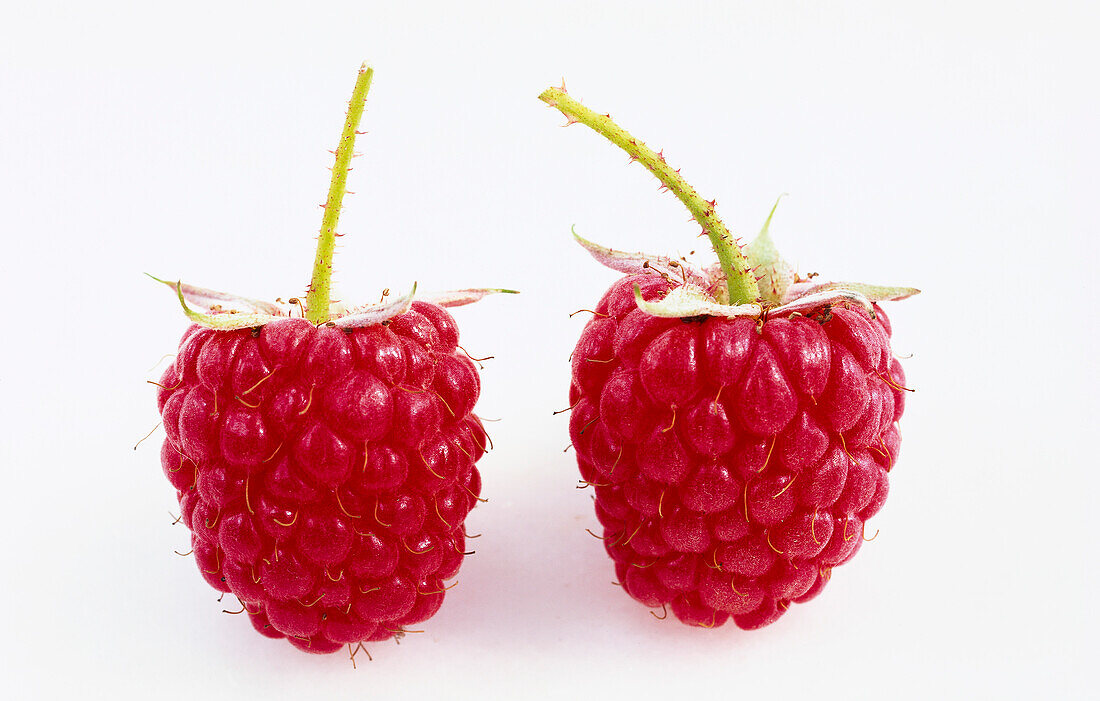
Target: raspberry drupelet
[324,456]
[737,422]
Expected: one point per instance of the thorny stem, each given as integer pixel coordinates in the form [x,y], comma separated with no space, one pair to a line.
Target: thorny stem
[740,281]
[320,286]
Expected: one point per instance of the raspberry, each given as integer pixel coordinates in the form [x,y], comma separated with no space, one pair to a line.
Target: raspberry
[325,465]
[738,422]
[312,492]
[736,461]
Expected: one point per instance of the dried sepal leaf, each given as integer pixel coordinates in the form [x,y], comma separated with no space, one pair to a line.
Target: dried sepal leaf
[372,314]
[688,301]
[873,293]
[214,302]
[224,321]
[459,298]
[635,263]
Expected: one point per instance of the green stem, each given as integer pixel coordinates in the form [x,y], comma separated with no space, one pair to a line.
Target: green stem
[320,286]
[740,281]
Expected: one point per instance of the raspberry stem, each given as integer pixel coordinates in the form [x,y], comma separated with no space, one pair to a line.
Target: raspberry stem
[320,286]
[740,281]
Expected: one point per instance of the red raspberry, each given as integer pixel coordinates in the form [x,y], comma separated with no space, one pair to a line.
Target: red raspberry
[735,461]
[737,421]
[325,464]
[326,473]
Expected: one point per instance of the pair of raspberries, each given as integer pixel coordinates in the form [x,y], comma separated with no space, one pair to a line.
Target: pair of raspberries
[737,423]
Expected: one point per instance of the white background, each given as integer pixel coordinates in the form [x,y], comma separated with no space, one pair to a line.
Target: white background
[948,145]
